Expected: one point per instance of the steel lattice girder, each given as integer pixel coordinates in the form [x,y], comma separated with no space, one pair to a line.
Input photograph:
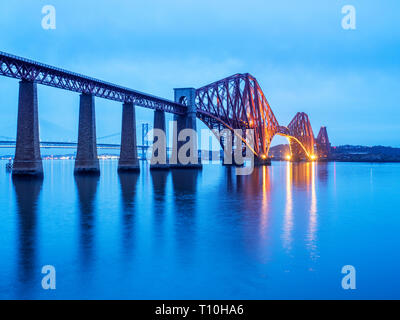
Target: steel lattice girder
[238,102]
[322,137]
[323,144]
[300,128]
[24,69]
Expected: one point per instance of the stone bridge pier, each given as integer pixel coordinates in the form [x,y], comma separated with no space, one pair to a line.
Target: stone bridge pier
[86,161]
[128,160]
[27,160]
[183,156]
[159,156]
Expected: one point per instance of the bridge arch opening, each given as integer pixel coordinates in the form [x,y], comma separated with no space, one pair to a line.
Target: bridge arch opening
[294,150]
[298,150]
[280,148]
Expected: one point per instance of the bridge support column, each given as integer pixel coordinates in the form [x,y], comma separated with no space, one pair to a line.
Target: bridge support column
[191,159]
[86,156]
[27,160]
[159,157]
[128,160]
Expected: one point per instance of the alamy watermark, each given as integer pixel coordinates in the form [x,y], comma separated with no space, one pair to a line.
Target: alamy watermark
[49,19]
[49,280]
[349,280]
[238,147]
[349,19]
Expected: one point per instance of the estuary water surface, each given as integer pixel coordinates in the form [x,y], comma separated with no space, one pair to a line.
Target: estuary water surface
[283,232]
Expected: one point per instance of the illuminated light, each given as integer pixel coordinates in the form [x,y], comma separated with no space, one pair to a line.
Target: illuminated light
[288,157]
[263,156]
[313,157]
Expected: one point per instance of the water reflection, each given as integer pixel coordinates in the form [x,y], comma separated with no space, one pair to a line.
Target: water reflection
[288,218]
[266,188]
[229,180]
[256,184]
[159,181]
[322,169]
[27,191]
[184,183]
[255,191]
[87,189]
[302,176]
[128,183]
[183,229]
[312,229]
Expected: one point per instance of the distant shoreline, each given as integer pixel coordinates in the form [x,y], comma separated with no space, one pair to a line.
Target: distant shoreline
[349,153]
[346,153]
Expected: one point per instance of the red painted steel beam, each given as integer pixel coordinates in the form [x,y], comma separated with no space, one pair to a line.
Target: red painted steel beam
[300,128]
[323,144]
[237,102]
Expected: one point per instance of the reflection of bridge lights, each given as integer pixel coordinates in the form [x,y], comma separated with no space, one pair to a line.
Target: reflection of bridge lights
[312,228]
[288,222]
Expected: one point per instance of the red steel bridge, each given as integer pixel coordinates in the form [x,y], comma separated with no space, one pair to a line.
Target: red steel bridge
[236,102]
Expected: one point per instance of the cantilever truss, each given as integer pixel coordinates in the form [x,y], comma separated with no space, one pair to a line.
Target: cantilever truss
[238,102]
[323,144]
[300,128]
[24,69]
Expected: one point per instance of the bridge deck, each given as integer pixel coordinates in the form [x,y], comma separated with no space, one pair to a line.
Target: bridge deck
[25,69]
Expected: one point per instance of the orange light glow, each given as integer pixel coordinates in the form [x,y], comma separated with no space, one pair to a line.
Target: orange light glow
[288,157]
[263,156]
[313,157]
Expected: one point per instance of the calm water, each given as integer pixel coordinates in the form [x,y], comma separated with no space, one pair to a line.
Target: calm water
[283,232]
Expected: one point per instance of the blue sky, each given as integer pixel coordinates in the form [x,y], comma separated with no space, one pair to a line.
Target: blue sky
[348,80]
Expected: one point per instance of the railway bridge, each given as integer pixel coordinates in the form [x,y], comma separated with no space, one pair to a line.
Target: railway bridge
[234,103]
